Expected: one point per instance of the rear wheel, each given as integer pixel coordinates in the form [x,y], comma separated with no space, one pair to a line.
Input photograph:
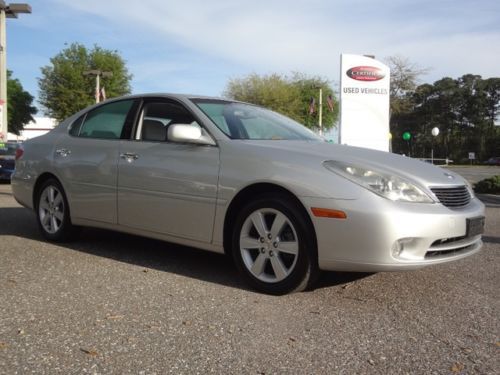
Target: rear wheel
[52,212]
[274,245]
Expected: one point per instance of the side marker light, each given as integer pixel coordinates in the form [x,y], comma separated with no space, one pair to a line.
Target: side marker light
[329,213]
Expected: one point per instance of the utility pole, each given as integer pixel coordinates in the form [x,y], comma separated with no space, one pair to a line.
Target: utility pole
[98,74]
[320,108]
[320,111]
[6,11]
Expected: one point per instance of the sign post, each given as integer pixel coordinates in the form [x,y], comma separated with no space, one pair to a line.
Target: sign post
[472,157]
[3,129]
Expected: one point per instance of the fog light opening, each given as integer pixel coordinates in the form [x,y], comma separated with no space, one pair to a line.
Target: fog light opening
[399,246]
[397,249]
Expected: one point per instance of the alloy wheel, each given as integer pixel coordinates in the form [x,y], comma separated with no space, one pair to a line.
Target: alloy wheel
[51,209]
[269,245]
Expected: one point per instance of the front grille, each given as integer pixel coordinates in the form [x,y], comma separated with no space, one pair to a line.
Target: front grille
[453,197]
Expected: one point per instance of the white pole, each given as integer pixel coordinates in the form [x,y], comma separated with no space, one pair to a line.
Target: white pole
[320,111]
[3,78]
[97,88]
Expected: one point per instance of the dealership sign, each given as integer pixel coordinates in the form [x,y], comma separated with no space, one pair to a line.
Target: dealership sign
[364,102]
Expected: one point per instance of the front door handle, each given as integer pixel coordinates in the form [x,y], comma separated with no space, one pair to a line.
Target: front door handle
[129,156]
[63,152]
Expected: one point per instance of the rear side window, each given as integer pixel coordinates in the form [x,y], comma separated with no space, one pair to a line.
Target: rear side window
[105,122]
[76,126]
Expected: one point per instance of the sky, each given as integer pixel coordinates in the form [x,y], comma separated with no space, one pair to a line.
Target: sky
[196,46]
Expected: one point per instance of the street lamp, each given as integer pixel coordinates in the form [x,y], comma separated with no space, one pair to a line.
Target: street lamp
[97,73]
[6,11]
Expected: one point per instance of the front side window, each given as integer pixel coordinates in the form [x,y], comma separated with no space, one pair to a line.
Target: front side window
[105,122]
[156,117]
[245,121]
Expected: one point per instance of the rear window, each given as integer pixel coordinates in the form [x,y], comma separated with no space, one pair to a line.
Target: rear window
[106,121]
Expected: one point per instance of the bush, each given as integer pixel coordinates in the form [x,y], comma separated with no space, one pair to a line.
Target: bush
[488,185]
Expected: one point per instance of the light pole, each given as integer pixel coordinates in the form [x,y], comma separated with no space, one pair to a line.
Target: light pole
[320,111]
[6,11]
[98,74]
[320,108]
[434,132]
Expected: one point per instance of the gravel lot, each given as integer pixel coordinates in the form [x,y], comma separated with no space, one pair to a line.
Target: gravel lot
[114,303]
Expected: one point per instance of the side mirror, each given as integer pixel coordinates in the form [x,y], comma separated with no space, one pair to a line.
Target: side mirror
[188,133]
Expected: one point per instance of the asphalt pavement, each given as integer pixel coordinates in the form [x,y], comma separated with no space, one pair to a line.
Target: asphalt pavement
[112,303]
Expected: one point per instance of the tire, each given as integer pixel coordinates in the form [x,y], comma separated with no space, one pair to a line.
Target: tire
[274,246]
[52,212]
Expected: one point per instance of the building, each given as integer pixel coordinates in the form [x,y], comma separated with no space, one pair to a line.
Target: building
[40,126]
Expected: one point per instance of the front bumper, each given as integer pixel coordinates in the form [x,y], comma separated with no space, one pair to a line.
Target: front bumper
[381,235]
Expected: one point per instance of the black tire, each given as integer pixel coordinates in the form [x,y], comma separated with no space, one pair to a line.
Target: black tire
[297,266]
[52,212]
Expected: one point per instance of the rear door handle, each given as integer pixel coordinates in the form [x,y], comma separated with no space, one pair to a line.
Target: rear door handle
[63,152]
[129,156]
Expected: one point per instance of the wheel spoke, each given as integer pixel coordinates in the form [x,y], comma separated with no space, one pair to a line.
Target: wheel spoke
[54,224]
[249,243]
[45,218]
[258,266]
[259,223]
[59,215]
[44,205]
[289,247]
[278,268]
[278,224]
[52,193]
[58,199]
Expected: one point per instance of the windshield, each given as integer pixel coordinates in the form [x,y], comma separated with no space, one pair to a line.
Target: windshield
[8,148]
[245,121]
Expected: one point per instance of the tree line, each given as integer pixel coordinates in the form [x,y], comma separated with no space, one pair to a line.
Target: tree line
[464,109]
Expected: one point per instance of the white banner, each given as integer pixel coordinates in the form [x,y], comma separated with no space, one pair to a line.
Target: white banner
[364,102]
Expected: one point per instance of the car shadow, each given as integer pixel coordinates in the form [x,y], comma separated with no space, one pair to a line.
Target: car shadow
[149,253]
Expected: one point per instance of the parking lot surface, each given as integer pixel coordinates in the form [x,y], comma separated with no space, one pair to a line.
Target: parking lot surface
[115,303]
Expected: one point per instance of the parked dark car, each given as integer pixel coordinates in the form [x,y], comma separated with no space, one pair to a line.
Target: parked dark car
[7,159]
[493,161]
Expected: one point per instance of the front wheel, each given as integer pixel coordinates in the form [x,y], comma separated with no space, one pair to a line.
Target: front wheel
[274,245]
[52,212]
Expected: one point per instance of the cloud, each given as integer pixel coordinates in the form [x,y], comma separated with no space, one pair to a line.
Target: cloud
[310,35]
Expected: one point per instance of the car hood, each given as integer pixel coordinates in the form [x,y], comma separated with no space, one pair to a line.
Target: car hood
[425,174]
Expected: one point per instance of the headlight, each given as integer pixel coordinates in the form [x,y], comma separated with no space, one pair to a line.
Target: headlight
[386,185]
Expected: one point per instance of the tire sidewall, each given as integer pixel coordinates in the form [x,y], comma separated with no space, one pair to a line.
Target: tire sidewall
[301,273]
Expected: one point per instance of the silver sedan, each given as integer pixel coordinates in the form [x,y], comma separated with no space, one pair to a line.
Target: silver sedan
[234,178]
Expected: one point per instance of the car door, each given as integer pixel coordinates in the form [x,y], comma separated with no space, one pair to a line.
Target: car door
[166,187]
[86,161]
